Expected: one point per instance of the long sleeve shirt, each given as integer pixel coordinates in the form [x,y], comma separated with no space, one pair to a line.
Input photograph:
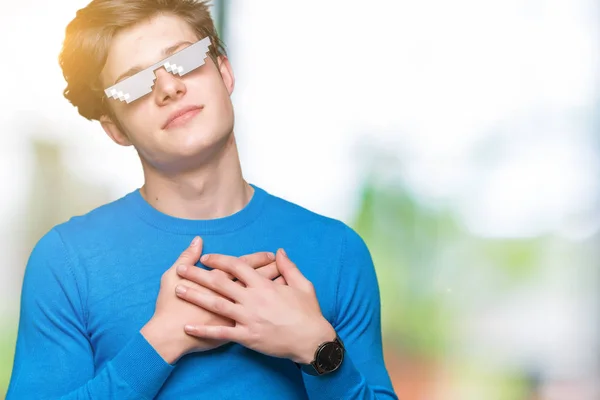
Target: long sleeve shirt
[91,284]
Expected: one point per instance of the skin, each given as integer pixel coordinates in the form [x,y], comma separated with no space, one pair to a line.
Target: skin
[283,321]
[165,331]
[192,171]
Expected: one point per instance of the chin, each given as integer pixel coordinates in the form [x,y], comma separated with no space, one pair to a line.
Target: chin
[201,143]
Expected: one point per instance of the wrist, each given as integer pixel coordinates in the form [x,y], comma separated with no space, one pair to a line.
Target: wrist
[324,333]
[161,341]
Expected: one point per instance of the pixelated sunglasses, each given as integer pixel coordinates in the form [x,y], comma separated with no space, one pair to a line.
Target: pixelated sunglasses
[140,84]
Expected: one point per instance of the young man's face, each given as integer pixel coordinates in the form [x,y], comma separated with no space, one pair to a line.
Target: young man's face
[144,123]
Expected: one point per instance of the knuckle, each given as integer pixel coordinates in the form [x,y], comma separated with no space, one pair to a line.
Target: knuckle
[246,259]
[273,271]
[220,332]
[263,271]
[218,283]
[254,335]
[210,279]
[165,278]
[268,270]
[261,259]
[235,269]
[222,306]
[254,260]
[219,305]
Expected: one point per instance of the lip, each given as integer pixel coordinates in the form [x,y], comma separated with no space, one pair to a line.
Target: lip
[181,116]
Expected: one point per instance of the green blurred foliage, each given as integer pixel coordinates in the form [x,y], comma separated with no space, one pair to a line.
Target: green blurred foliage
[517,258]
[402,237]
[432,271]
[7,349]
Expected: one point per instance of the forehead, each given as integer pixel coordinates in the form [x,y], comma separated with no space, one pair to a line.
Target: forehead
[142,44]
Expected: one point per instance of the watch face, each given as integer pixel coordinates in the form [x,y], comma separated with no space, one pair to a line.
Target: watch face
[330,357]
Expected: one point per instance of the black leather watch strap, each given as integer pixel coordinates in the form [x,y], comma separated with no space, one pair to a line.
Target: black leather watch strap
[328,358]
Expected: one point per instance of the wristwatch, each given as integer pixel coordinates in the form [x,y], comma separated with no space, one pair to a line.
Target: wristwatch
[328,358]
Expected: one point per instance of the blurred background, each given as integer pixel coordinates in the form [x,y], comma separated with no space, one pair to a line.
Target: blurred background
[460,139]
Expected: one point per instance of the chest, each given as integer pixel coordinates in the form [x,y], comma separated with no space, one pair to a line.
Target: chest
[123,286]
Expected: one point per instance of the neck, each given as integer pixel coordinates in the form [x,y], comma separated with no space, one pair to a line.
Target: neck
[214,190]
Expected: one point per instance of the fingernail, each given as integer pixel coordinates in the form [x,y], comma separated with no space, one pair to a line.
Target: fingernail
[189,328]
[180,290]
[204,258]
[271,256]
[283,252]
[195,241]
[181,268]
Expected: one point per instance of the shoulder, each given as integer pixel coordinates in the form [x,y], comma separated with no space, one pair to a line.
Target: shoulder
[88,228]
[104,217]
[318,225]
[281,208]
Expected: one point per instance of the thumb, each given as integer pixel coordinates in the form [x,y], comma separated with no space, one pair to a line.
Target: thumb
[289,270]
[191,255]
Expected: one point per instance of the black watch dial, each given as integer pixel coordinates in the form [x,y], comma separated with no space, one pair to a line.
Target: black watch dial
[330,357]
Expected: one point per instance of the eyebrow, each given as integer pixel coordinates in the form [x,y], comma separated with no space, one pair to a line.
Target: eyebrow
[165,53]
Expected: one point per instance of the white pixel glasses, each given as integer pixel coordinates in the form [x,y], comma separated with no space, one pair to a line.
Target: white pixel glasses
[140,84]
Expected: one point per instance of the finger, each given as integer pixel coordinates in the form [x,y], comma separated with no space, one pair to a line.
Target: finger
[257,260]
[270,271]
[280,281]
[228,333]
[235,267]
[213,281]
[290,271]
[219,272]
[191,255]
[212,303]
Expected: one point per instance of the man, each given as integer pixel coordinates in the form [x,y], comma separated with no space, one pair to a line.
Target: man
[106,313]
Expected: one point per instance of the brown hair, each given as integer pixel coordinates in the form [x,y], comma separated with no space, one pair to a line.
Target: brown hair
[89,35]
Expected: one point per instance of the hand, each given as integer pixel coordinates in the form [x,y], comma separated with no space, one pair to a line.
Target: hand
[278,320]
[164,330]
[257,261]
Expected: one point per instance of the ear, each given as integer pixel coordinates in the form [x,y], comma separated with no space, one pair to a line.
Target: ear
[114,131]
[227,73]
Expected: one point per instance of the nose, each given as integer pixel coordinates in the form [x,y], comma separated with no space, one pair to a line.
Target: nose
[168,87]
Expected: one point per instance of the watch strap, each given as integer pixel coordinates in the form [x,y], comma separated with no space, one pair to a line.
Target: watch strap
[312,368]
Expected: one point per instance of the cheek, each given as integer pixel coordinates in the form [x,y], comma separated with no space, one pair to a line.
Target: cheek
[221,98]
[141,115]
[140,119]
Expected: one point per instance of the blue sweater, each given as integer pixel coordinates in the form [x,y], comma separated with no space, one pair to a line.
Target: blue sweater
[91,284]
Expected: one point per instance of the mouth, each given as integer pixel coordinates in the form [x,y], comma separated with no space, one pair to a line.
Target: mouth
[182,116]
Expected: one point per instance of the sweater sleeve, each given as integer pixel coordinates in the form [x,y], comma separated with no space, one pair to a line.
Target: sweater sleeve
[53,357]
[363,374]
